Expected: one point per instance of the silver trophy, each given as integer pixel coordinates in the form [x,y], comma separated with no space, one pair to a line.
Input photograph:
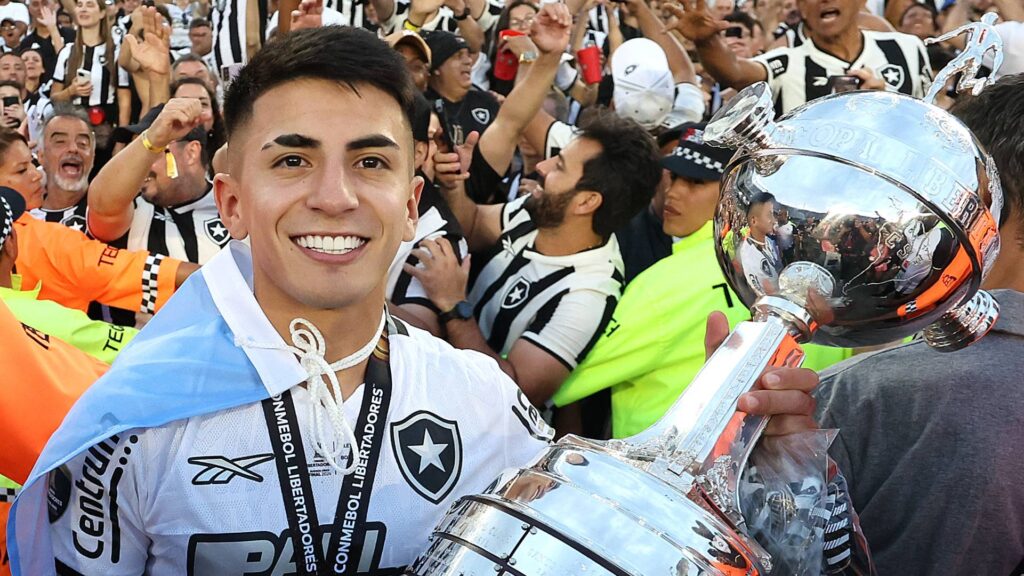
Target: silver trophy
[856,220]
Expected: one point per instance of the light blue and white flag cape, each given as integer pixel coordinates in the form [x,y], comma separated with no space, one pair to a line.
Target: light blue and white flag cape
[184,363]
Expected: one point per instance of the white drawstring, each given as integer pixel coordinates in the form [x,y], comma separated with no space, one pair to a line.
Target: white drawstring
[309,346]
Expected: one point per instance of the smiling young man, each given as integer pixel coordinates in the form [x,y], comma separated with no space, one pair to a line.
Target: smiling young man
[219,443]
[834,45]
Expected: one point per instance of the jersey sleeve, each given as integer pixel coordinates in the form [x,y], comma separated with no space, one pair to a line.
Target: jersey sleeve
[39,371]
[490,16]
[60,69]
[398,17]
[571,328]
[79,267]
[627,348]
[94,506]
[775,63]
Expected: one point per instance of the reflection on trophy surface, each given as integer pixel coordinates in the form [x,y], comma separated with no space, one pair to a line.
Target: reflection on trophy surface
[858,219]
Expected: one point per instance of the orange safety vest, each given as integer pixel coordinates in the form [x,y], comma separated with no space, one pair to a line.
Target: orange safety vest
[75,270]
[43,377]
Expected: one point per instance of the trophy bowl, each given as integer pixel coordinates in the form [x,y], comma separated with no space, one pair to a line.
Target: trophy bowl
[875,202]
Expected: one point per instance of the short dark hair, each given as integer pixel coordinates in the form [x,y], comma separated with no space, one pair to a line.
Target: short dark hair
[626,172]
[342,54]
[759,199]
[996,116]
[743,19]
[199,23]
[12,84]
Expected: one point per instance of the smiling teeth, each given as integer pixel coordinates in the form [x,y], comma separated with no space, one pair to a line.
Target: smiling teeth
[330,244]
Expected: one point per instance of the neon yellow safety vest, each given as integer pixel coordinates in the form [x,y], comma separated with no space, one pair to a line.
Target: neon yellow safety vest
[98,339]
[654,344]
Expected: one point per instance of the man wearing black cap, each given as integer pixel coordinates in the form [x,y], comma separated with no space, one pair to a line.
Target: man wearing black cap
[175,214]
[645,361]
[451,84]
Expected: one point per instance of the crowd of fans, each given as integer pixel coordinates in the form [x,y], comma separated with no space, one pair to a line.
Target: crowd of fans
[565,222]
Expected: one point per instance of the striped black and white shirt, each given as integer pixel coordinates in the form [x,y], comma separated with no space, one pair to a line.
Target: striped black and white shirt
[104,85]
[435,221]
[800,74]
[558,303]
[443,20]
[228,18]
[73,217]
[192,232]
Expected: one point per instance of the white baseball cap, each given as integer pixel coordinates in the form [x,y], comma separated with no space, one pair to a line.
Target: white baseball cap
[644,89]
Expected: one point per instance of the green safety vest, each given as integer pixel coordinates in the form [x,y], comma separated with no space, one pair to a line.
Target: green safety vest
[100,340]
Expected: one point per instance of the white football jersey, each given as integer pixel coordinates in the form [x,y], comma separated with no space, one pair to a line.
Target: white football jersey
[202,496]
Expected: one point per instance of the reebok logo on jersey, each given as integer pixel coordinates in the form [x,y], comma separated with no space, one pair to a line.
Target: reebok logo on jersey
[429,453]
[221,470]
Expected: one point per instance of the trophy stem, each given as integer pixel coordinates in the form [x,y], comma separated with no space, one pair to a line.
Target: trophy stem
[702,442]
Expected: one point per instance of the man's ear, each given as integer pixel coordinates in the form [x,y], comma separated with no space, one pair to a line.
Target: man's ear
[412,208]
[195,152]
[587,202]
[227,193]
[420,153]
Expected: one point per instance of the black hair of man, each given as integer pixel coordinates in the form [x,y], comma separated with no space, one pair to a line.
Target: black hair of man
[190,57]
[340,54]
[12,84]
[743,19]
[199,23]
[996,116]
[625,173]
[759,199]
[421,118]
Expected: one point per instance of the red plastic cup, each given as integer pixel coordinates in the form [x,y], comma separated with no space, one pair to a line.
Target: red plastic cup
[589,59]
[506,63]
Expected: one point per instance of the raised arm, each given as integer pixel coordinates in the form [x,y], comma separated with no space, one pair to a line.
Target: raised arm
[700,26]
[114,189]
[653,29]
[481,225]
[550,35]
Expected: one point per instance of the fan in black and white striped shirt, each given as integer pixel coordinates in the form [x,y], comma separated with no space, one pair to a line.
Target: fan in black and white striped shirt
[552,271]
[231,35]
[176,217]
[67,152]
[105,79]
[833,46]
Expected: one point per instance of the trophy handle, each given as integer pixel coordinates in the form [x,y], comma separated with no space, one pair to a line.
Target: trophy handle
[702,443]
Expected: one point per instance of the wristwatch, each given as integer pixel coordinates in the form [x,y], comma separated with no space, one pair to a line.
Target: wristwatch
[465,14]
[462,311]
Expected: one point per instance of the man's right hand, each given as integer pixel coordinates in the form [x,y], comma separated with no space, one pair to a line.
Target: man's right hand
[695,21]
[151,54]
[452,168]
[551,28]
[179,116]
